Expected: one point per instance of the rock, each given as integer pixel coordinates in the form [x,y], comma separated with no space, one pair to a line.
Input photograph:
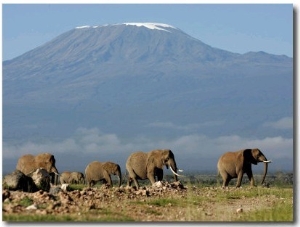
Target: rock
[157,184]
[5,195]
[65,198]
[19,181]
[54,190]
[41,178]
[145,193]
[59,202]
[239,210]
[64,187]
[32,207]
[177,184]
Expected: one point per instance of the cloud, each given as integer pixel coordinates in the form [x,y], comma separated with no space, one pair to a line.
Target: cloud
[170,125]
[283,123]
[163,125]
[192,150]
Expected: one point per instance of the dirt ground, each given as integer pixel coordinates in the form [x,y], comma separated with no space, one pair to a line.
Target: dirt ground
[170,202]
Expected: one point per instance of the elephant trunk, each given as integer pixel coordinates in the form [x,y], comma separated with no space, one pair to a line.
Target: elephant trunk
[265,172]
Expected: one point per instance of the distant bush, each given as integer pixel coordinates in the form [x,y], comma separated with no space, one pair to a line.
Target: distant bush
[279,179]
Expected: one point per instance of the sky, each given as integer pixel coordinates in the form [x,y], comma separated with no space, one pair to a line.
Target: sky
[238,28]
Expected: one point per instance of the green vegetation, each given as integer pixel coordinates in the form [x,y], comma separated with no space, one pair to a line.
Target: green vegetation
[277,213]
[65,218]
[26,202]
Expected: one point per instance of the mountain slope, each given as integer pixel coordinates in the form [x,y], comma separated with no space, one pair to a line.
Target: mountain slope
[149,80]
[89,55]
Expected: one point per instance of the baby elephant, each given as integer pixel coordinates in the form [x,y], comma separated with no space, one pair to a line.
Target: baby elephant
[68,177]
[101,171]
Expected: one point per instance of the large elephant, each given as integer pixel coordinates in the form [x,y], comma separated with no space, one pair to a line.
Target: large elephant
[29,163]
[235,164]
[68,177]
[101,171]
[148,165]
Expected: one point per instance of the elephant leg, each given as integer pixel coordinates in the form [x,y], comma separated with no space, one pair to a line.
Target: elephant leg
[132,177]
[109,181]
[129,181]
[251,178]
[136,183]
[226,182]
[239,179]
[225,178]
[160,174]
[150,176]
[107,178]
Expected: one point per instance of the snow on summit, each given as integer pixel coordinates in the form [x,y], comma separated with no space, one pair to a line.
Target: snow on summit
[157,26]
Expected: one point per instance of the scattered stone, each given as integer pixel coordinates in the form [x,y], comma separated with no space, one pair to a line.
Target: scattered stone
[60,200]
[157,184]
[32,207]
[54,190]
[239,210]
[5,195]
[65,187]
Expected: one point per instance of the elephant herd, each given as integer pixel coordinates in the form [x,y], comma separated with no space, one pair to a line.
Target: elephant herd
[145,165]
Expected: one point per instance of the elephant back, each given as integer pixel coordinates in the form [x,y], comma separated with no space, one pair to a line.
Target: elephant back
[137,157]
[136,163]
[92,169]
[29,163]
[26,164]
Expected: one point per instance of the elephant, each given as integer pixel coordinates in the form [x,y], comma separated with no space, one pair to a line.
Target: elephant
[64,177]
[101,171]
[235,164]
[28,163]
[148,165]
[68,177]
[77,178]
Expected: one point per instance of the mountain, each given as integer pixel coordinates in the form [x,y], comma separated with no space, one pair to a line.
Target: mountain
[94,54]
[142,79]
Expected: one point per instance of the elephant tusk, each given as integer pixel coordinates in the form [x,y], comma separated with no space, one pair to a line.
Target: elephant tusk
[174,172]
[267,161]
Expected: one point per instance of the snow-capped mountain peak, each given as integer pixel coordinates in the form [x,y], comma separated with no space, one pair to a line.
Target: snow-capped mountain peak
[158,26]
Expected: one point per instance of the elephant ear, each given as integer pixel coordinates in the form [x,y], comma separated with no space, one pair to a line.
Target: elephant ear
[52,159]
[155,159]
[165,156]
[114,168]
[248,156]
[106,174]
